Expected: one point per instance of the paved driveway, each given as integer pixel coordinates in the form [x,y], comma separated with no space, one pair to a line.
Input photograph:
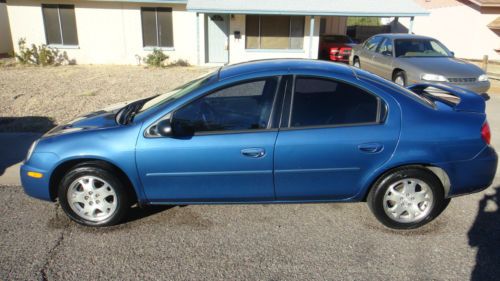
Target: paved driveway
[253,242]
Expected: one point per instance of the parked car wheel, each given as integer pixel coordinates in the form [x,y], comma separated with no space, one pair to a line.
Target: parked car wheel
[356,63]
[93,196]
[400,78]
[407,198]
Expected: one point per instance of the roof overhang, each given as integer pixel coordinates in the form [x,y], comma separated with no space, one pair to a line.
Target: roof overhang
[495,24]
[486,3]
[365,8]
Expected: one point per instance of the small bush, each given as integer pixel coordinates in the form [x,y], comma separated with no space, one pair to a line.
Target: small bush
[156,58]
[179,62]
[40,55]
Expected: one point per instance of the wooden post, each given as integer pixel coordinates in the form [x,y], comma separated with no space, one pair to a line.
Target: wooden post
[485,63]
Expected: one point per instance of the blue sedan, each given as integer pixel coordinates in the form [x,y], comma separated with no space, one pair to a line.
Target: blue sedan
[274,131]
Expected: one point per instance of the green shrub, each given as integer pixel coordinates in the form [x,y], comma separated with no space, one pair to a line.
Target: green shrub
[179,62]
[156,58]
[39,55]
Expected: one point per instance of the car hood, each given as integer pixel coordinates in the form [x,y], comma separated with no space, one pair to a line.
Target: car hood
[448,67]
[104,118]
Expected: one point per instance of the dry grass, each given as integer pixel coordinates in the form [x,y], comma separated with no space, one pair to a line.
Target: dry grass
[37,98]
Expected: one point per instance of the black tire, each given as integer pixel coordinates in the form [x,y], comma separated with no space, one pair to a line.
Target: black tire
[376,202]
[400,75]
[123,202]
[356,60]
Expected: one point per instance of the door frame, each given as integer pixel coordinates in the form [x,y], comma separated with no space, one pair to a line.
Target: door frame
[228,19]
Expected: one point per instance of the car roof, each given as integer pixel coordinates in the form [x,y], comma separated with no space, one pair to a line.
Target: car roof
[253,67]
[403,36]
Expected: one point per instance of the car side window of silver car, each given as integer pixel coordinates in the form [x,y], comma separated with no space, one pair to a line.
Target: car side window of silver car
[386,48]
[372,43]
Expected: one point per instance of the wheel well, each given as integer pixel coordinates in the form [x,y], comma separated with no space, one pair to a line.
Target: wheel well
[437,171]
[63,168]
[396,70]
[355,58]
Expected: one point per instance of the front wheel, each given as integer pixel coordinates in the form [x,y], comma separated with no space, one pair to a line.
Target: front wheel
[93,196]
[407,198]
[400,78]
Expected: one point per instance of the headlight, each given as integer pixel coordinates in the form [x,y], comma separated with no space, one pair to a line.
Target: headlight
[30,151]
[434,77]
[483,78]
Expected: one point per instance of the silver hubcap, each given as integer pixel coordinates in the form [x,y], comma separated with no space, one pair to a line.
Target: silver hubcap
[400,81]
[356,64]
[408,200]
[92,198]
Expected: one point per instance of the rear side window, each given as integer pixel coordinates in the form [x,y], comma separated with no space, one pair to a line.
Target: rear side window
[244,106]
[372,43]
[323,102]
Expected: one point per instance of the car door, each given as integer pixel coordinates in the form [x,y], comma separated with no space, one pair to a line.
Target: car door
[335,137]
[229,156]
[383,58]
[368,51]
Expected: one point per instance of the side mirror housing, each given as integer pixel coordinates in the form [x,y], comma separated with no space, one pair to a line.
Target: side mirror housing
[452,54]
[164,128]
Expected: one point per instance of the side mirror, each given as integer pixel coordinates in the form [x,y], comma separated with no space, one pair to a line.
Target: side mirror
[163,128]
[452,54]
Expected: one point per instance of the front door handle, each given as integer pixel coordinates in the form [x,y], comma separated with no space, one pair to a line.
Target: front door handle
[253,152]
[370,147]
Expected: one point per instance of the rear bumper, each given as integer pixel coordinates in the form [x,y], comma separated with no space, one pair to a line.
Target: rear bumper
[473,175]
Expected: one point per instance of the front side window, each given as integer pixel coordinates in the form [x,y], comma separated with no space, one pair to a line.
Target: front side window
[323,102]
[157,28]
[60,24]
[245,106]
[372,43]
[274,32]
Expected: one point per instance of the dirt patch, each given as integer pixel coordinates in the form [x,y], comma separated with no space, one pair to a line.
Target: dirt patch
[59,94]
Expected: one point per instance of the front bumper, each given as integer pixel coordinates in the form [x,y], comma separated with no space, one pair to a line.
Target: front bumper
[40,163]
[473,175]
[476,87]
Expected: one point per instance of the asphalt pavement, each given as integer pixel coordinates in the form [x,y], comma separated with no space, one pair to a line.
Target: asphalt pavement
[252,242]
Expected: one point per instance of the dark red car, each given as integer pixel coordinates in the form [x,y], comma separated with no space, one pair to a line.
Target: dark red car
[336,47]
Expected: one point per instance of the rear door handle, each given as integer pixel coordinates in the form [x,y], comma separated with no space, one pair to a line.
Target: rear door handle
[370,147]
[253,152]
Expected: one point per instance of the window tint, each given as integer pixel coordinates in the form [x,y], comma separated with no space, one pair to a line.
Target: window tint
[274,32]
[372,43]
[319,102]
[157,27]
[245,106]
[386,47]
[60,24]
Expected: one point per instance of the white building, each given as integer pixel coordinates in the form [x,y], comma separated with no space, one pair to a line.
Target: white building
[199,31]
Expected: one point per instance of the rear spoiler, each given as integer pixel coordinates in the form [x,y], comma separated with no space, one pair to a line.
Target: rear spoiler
[458,98]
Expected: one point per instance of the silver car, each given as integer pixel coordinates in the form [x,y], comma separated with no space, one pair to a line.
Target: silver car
[407,59]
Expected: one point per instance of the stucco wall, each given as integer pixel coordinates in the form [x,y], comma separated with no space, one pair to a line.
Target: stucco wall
[238,52]
[462,29]
[5,38]
[108,32]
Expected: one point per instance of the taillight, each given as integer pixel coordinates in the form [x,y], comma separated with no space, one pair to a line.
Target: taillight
[334,51]
[486,133]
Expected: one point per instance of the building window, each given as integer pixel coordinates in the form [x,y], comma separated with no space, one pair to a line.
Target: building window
[157,27]
[60,24]
[274,32]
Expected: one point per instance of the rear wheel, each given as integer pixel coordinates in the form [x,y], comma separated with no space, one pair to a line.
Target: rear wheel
[400,78]
[407,198]
[356,63]
[93,196]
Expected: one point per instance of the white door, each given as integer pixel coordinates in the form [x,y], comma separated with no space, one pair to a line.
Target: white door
[217,38]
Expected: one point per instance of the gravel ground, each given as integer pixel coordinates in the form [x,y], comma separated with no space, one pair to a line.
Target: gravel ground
[38,98]
[229,242]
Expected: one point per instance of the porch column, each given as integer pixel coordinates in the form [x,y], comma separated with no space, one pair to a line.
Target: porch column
[311,32]
[410,29]
[198,39]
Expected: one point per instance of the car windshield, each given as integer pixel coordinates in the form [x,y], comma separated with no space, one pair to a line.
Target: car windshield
[177,92]
[420,48]
[341,39]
